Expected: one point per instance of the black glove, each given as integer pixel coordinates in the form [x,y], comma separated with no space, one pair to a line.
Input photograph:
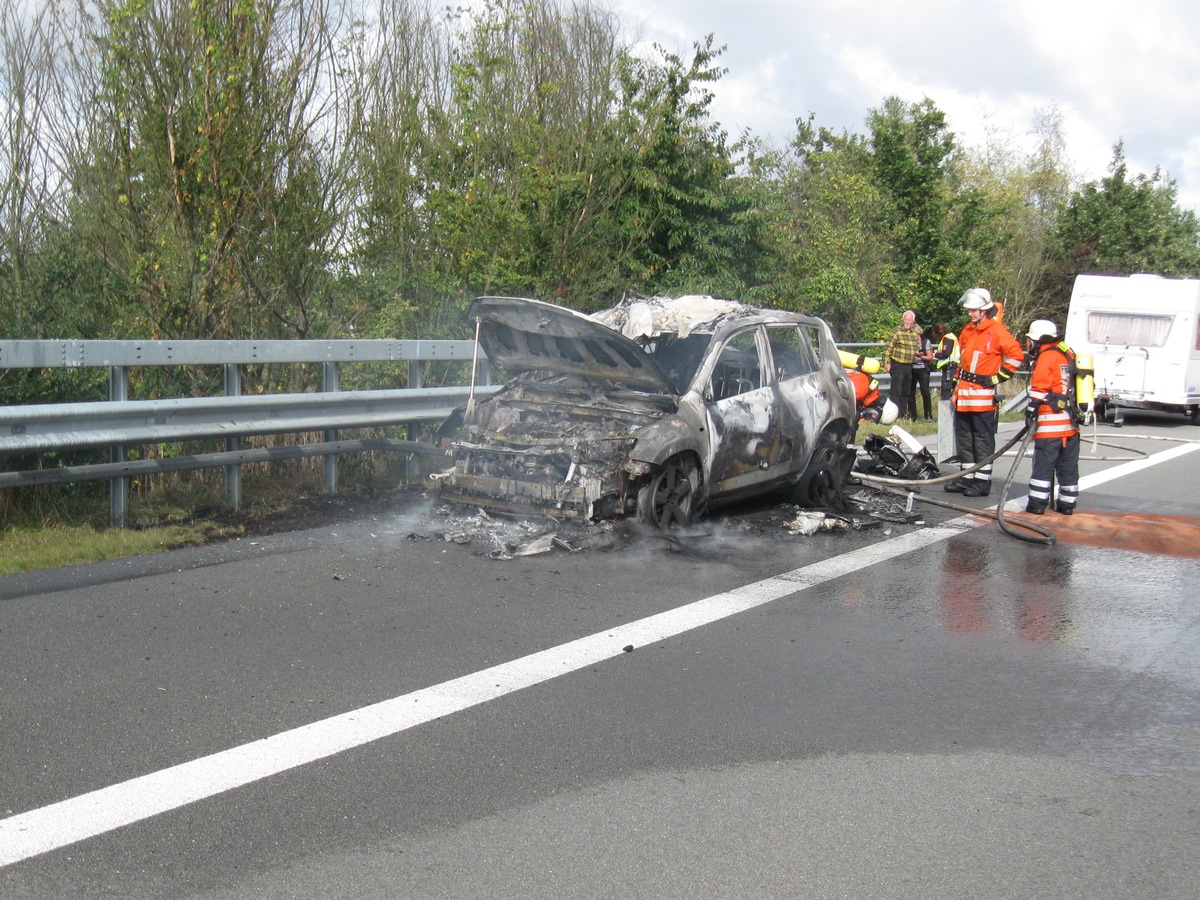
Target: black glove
[1031,411]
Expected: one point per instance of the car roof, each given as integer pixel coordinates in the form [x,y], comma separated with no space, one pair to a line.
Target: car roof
[520,334]
[650,317]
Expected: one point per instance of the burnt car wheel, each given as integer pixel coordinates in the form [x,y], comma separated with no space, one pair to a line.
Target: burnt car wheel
[825,477]
[670,499]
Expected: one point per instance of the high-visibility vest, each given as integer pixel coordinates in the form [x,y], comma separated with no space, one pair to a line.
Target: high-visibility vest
[947,351]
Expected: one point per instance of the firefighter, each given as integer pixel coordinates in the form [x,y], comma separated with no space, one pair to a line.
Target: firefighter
[988,356]
[945,357]
[1052,414]
[869,404]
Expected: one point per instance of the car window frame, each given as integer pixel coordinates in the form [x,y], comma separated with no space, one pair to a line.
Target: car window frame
[766,377]
[807,355]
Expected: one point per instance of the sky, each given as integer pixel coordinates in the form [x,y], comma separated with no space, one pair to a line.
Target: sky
[1113,69]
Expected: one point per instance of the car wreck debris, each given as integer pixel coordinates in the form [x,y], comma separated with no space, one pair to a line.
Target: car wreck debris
[894,457]
[658,408]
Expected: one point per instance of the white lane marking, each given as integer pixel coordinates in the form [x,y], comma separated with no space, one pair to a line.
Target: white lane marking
[1098,478]
[50,827]
[59,824]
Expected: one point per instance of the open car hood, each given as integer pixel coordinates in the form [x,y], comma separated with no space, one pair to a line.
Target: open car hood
[521,335]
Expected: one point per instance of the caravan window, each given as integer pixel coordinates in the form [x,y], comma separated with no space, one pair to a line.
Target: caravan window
[1128,330]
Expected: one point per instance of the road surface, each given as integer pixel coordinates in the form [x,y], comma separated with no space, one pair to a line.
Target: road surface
[375,710]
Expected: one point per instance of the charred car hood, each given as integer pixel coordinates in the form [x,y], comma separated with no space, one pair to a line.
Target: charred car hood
[521,335]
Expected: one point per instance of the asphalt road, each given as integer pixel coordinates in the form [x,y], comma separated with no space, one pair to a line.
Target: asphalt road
[375,710]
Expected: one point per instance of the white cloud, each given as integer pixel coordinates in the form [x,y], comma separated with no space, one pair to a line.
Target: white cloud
[1116,71]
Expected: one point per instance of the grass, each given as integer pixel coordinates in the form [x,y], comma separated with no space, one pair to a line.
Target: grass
[920,428]
[70,526]
[30,548]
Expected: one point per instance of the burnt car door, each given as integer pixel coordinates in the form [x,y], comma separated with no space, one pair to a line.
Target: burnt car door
[743,413]
[805,402]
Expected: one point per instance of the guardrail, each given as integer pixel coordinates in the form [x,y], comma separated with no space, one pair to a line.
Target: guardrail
[120,422]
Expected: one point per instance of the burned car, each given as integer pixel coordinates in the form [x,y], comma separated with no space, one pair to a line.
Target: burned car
[657,408]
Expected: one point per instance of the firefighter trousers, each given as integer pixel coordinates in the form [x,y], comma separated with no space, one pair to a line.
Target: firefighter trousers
[975,438]
[1055,458]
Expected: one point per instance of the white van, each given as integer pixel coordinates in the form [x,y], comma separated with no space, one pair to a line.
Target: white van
[1143,334]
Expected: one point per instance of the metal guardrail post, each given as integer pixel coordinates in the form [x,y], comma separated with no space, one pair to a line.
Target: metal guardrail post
[946,447]
[412,430]
[118,488]
[329,382]
[233,473]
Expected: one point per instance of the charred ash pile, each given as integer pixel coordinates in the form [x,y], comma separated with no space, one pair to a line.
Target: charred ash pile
[509,537]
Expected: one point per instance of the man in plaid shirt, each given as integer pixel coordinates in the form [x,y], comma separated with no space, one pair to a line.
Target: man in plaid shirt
[898,359]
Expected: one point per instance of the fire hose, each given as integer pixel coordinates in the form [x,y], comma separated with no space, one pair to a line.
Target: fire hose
[1044,535]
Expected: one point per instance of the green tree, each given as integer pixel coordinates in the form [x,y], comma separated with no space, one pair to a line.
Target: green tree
[1121,225]
[29,188]
[689,222]
[529,152]
[911,145]
[487,163]
[830,241]
[1003,218]
[203,160]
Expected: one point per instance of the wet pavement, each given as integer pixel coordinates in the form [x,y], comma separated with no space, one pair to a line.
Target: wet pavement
[923,706]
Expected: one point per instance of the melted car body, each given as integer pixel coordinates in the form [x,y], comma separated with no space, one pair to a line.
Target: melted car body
[659,407]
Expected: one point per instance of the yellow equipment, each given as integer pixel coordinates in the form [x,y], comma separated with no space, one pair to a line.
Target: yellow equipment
[1085,383]
[868,364]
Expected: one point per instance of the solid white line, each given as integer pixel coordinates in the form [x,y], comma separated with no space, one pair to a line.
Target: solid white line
[60,824]
[1099,478]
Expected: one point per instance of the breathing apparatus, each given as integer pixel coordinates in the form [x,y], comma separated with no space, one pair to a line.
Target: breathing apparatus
[868,364]
[1085,386]
[1081,384]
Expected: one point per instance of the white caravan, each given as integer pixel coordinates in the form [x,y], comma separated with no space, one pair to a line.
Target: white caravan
[1143,334]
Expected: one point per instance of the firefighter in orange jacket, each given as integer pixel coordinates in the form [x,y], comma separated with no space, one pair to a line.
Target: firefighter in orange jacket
[869,404]
[988,356]
[1051,414]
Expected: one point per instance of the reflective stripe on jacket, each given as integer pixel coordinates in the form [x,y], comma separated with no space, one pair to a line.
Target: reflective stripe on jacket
[1052,375]
[985,348]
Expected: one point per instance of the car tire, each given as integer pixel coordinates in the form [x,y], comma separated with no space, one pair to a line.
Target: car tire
[824,477]
[670,498]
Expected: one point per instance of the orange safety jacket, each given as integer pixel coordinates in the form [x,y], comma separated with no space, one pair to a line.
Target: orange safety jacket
[1053,374]
[988,355]
[866,388]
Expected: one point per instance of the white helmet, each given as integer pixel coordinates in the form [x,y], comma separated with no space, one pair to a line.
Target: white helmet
[1041,329]
[976,298]
[889,414]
